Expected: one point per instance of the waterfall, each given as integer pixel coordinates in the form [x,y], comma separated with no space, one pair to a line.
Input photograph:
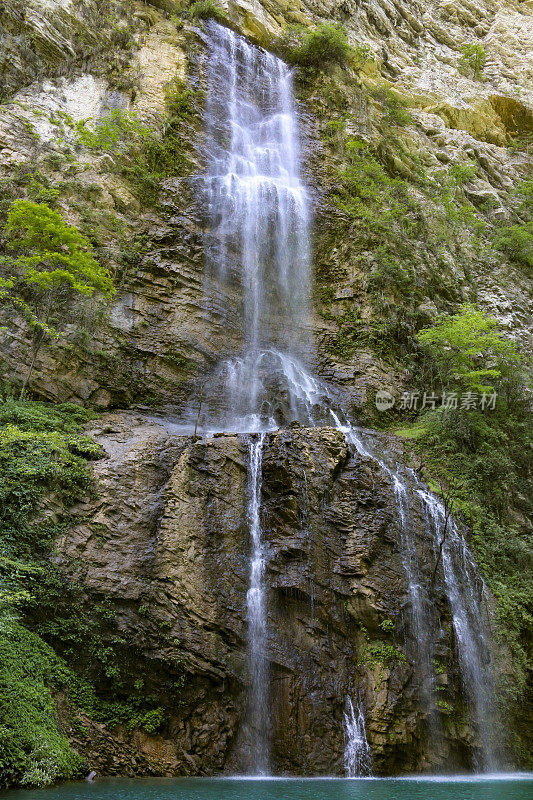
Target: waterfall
[257,246]
[257,628]
[258,233]
[357,756]
[465,591]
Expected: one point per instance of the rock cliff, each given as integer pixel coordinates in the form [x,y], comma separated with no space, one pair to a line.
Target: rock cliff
[436,149]
[456,138]
[166,541]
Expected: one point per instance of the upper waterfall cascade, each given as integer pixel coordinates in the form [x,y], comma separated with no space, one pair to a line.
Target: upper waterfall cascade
[258,241]
[258,234]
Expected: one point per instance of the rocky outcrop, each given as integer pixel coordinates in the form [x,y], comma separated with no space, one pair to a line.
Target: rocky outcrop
[166,541]
[159,338]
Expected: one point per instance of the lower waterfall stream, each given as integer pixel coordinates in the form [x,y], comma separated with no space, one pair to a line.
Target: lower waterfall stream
[258,701]
[259,237]
[357,755]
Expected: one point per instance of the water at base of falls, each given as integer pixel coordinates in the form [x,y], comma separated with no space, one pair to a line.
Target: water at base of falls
[513,786]
[357,755]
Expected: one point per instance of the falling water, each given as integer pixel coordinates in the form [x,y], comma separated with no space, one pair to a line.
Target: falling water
[357,756]
[257,247]
[421,627]
[258,234]
[257,630]
[465,591]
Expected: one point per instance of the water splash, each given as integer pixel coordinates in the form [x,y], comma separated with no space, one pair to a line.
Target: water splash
[263,391]
[357,755]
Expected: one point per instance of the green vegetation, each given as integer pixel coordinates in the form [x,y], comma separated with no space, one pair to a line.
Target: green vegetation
[47,262]
[395,106]
[472,61]
[382,653]
[468,349]
[145,155]
[117,131]
[483,457]
[38,450]
[377,213]
[316,49]
[207,9]
[33,752]
[516,240]
[379,652]
[43,451]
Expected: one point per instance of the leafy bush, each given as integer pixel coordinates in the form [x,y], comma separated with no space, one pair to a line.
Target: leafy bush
[207,9]
[473,60]
[33,752]
[395,106]
[144,155]
[327,44]
[381,653]
[468,349]
[362,54]
[52,253]
[47,260]
[40,449]
[517,240]
[112,132]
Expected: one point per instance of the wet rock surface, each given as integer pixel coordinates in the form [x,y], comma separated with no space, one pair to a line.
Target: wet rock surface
[167,542]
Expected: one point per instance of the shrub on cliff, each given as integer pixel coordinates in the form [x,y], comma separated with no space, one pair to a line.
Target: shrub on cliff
[472,61]
[207,9]
[48,261]
[327,44]
[516,240]
[468,349]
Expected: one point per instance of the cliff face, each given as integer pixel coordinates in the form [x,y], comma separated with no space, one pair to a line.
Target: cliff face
[166,541]
[444,135]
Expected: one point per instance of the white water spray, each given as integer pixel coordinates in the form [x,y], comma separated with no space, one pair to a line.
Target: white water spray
[357,756]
